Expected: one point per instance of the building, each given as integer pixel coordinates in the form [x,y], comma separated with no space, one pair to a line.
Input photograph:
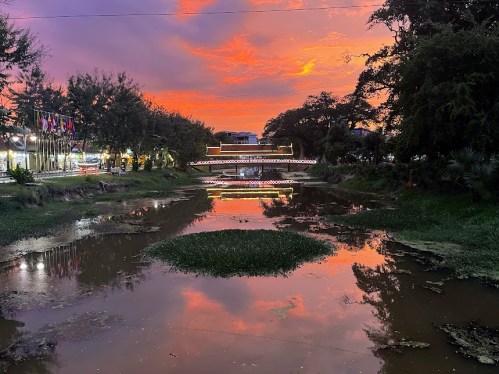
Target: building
[361,131]
[242,137]
[245,151]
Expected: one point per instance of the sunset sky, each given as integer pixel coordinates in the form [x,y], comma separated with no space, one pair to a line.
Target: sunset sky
[232,71]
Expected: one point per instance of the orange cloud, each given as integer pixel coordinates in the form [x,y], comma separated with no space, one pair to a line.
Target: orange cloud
[306,68]
[239,61]
[192,6]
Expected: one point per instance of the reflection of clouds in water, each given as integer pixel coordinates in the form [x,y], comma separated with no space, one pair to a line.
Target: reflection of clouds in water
[210,323]
[232,293]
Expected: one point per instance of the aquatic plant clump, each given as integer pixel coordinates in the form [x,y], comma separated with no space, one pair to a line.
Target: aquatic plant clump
[239,252]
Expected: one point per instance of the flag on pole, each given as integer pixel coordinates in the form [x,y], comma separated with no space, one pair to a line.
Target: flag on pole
[45,124]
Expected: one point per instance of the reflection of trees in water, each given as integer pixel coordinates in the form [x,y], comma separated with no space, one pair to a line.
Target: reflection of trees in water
[381,289]
[356,241]
[310,201]
[98,261]
[115,260]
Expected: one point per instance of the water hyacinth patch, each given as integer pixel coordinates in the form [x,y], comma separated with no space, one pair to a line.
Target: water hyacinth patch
[229,253]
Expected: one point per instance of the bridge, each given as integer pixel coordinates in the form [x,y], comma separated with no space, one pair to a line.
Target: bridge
[252,161]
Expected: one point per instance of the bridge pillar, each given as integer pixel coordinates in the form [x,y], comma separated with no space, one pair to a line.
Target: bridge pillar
[210,168]
[289,168]
[236,168]
[262,168]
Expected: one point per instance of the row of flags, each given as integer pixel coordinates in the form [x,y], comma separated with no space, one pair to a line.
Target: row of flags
[53,123]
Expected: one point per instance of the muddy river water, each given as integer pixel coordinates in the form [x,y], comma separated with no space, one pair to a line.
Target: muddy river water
[97,305]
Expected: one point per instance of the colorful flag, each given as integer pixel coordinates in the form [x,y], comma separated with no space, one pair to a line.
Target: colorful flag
[45,124]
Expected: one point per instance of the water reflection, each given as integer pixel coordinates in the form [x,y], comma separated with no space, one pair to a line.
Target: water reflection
[311,202]
[324,317]
[408,310]
[250,193]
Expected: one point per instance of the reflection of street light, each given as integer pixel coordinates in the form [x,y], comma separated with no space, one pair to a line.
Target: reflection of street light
[23,266]
[15,138]
[40,266]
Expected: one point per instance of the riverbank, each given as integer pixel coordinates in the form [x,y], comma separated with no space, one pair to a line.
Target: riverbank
[43,208]
[463,235]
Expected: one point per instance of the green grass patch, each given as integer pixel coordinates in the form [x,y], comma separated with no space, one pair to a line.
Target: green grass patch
[364,184]
[421,217]
[230,253]
[35,222]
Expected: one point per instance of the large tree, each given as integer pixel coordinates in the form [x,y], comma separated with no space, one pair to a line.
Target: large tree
[89,96]
[185,138]
[309,127]
[293,126]
[18,50]
[448,95]
[33,91]
[407,71]
[124,120]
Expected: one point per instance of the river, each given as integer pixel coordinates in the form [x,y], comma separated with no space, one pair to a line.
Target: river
[97,305]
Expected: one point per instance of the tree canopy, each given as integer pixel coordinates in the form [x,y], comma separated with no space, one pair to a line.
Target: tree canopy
[319,122]
[18,50]
[439,76]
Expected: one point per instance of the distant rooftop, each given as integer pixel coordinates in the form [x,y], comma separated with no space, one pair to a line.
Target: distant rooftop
[249,150]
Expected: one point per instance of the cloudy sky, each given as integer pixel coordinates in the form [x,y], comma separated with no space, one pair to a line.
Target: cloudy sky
[233,71]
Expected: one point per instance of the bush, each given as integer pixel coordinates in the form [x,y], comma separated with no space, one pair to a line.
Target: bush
[148,165]
[33,196]
[135,165]
[470,170]
[21,176]
[159,164]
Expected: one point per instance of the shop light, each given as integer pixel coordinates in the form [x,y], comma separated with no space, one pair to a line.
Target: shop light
[33,138]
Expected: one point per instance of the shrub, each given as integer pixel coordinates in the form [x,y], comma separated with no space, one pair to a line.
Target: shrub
[21,176]
[135,165]
[33,196]
[148,165]
[470,170]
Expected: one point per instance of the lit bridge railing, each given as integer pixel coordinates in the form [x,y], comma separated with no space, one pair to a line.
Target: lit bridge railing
[252,182]
[252,161]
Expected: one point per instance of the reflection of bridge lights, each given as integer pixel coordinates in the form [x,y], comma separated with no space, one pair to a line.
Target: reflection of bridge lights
[249,193]
[40,266]
[23,266]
